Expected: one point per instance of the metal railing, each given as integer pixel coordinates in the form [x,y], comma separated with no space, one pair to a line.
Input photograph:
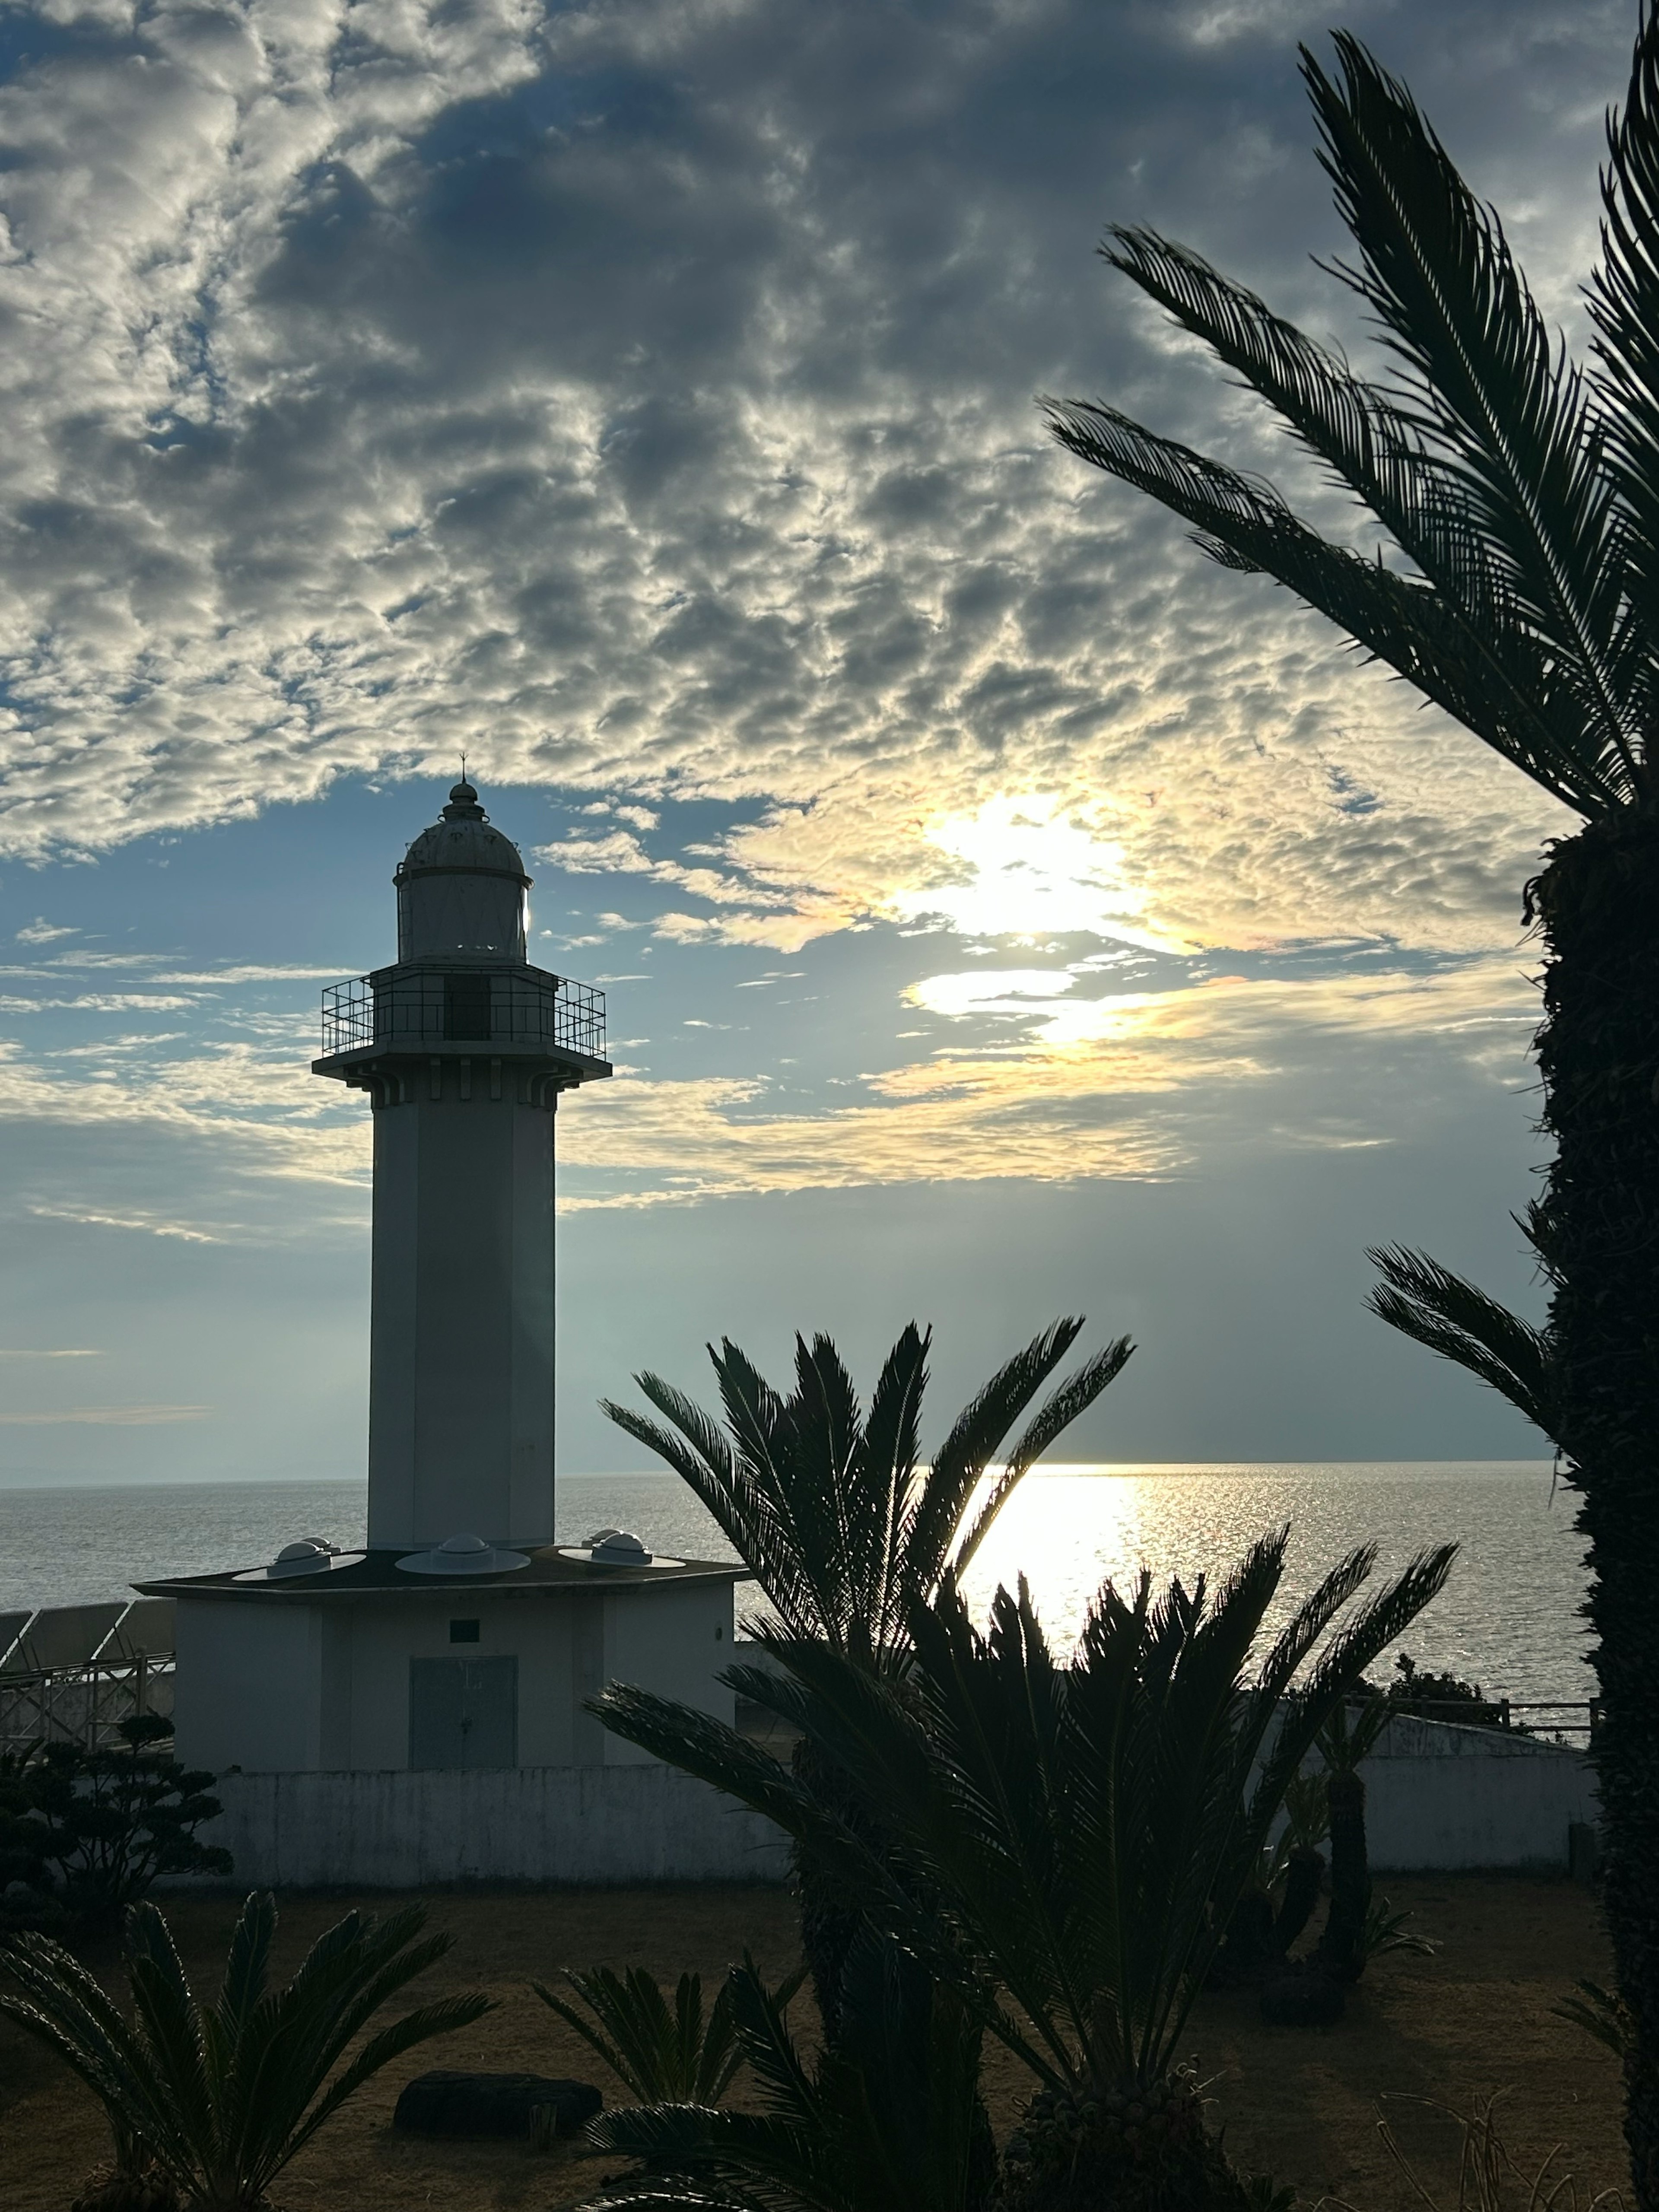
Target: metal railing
[82,1704]
[422,1006]
[1582,1716]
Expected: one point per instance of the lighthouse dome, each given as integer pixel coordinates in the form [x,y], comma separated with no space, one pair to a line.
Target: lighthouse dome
[461,891]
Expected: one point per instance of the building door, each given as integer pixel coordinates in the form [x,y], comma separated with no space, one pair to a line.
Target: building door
[463,1712]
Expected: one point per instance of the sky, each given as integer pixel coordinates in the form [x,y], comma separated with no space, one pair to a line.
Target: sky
[1003,912]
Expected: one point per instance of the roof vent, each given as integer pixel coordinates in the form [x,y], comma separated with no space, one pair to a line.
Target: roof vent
[464,1555]
[616,1548]
[309,1555]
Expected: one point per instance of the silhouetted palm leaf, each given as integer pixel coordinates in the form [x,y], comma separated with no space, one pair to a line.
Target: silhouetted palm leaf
[1438,1309]
[221,2098]
[834,1513]
[678,2056]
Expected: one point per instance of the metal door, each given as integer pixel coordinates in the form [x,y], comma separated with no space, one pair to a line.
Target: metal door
[463,1712]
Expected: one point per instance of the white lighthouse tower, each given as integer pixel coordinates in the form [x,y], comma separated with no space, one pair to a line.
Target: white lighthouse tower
[461,1637]
[464,1048]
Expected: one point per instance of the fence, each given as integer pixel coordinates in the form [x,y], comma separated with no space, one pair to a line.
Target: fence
[1579,1717]
[72,1674]
[422,1006]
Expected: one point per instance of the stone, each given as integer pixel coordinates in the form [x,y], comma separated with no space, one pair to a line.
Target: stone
[443,2103]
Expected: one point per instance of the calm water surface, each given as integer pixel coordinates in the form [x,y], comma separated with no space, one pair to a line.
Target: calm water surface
[1508,1618]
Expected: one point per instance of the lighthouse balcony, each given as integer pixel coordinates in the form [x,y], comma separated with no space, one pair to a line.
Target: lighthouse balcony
[517,1012]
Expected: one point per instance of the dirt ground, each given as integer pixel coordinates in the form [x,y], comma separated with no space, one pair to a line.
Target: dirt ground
[1476,2017]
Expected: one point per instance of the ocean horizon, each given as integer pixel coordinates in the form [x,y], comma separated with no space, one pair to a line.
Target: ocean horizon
[1509,1617]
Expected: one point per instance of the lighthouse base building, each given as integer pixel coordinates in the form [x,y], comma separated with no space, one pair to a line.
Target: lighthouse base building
[415,1712]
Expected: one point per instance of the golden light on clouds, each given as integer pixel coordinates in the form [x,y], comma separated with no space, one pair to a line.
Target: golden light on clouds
[1022,868]
[1117,1087]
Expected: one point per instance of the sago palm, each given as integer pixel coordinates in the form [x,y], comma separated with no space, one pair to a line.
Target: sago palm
[833,1509]
[220,2097]
[889,2121]
[1517,496]
[841,1521]
[1063,1843]
[684,2053]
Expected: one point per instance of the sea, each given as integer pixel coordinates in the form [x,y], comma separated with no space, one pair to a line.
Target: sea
[1508,1618]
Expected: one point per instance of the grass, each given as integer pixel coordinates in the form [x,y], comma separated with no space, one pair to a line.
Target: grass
[1475,2018]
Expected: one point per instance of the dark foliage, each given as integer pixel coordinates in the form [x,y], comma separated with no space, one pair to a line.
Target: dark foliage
[88,1832]
[1062,1845]
[682,2054]
[217,2098]
[888,2120]
[835,1512]
[845,1526]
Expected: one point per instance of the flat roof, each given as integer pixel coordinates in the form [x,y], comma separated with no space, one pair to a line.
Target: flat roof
[378,1575]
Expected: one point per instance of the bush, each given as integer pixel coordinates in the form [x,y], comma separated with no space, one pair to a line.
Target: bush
[1427,1696]
[85,1833]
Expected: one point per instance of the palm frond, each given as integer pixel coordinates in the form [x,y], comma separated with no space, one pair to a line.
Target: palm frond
[1502,684]
[830,1507]
[1624,305]
[1511,411]
[1438,1309]
[1073,1397]
[223,2098]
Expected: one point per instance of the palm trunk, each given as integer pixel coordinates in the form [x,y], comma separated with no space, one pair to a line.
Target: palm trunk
[1339,1952]
[1599,1051]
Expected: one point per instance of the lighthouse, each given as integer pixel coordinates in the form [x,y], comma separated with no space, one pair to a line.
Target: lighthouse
[464,1050]
[461,1636]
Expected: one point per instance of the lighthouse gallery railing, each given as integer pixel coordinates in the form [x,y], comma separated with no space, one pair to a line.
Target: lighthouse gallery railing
[423,1006]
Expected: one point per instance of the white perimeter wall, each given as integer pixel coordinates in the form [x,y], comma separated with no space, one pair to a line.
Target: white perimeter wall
[594,1824]
[1425,1811]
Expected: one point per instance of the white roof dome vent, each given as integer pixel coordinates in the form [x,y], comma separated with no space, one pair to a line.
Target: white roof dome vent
[616,1548]
[307,1555]
[464,1554]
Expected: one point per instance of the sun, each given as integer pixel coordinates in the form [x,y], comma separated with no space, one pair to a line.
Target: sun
[1023,868]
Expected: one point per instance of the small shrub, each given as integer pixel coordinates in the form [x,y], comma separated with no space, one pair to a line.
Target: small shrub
[1425,1695]
[89,1832]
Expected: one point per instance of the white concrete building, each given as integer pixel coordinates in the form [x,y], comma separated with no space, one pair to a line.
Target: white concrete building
[461,1639]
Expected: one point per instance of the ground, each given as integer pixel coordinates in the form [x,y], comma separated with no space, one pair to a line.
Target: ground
[1476,2017]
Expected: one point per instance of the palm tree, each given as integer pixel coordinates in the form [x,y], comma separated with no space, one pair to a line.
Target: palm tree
[218,2098]
[844,1526]
[1518,492]
[833,1511]
[1063,1845]
[682,2056]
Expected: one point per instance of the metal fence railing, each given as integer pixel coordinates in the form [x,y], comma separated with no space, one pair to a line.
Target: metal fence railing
[422,1006]
[82,1704]
[1556,1716]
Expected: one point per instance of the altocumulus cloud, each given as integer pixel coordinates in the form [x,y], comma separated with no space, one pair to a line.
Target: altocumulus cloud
[641,398]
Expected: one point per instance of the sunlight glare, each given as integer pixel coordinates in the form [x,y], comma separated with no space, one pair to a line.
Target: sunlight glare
[1026,870]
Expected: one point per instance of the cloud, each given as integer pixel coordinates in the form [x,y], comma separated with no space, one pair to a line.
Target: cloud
[640,398]
[1139,1086]
[114,1417]
[261,1109]
[96,1002]
[73,1352]
[41,932]
[86,1218]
